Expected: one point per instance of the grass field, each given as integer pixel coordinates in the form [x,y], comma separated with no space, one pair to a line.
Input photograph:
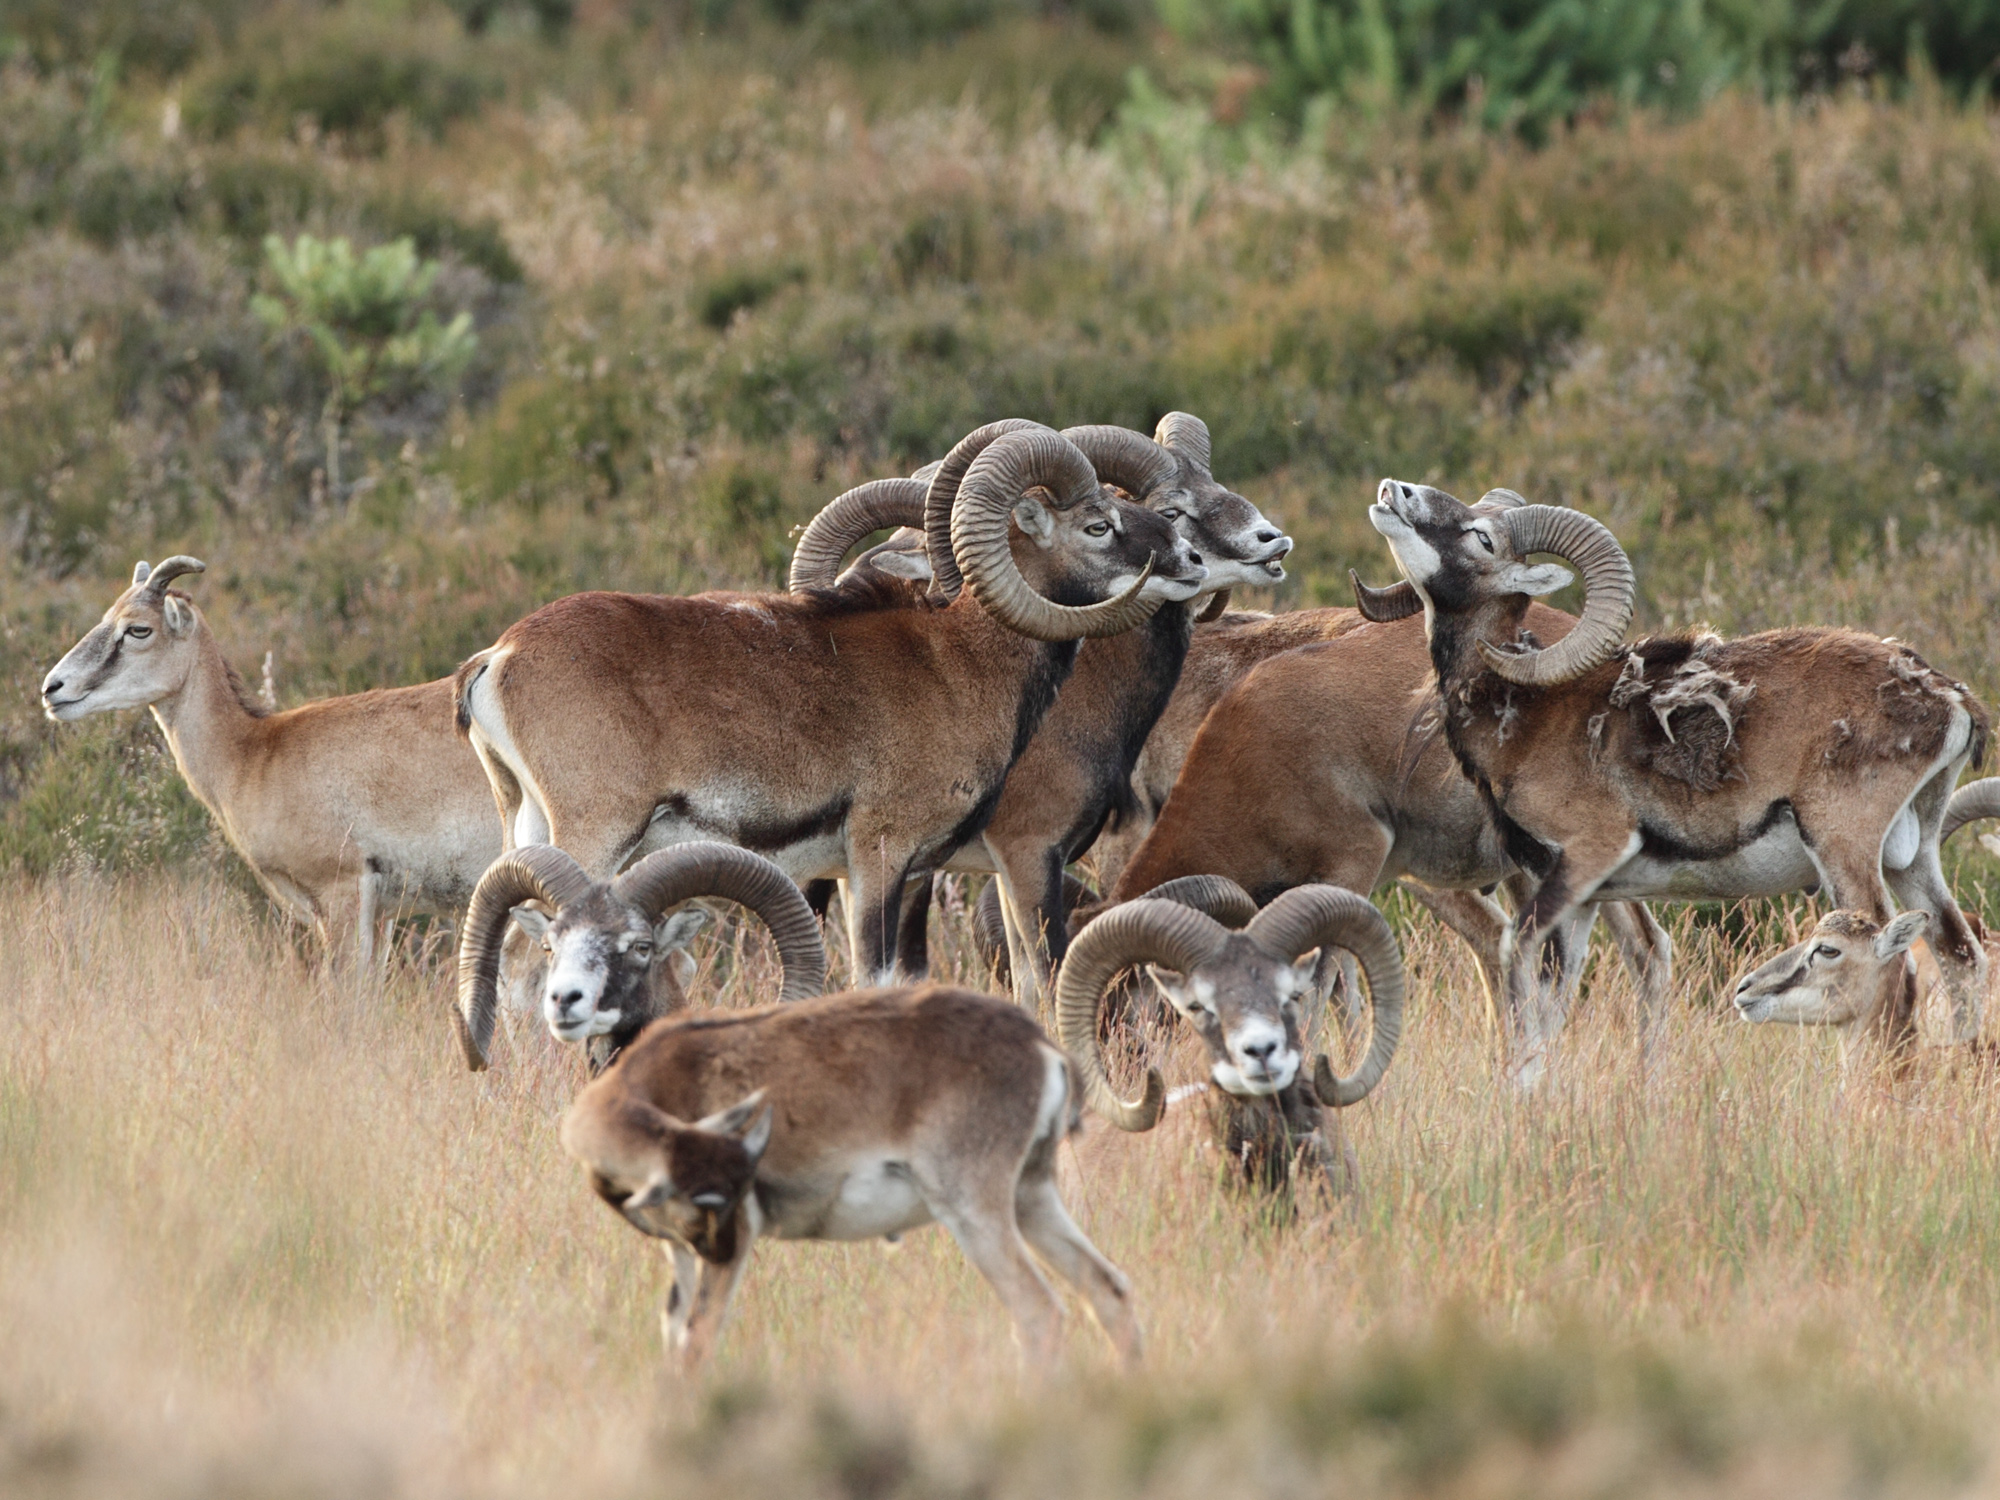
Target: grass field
[264,1236]
[261,1235]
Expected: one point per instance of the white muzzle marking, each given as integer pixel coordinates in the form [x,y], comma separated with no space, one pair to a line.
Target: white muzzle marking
[574,990]
[1260,1062]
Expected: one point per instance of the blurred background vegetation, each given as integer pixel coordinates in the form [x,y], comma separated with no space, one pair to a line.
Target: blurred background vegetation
[1722,274]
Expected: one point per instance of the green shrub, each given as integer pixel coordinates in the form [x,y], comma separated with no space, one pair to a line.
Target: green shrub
[719,301]
[365,318]
[152,35]
[1527,65]
[346,82]
[110,801]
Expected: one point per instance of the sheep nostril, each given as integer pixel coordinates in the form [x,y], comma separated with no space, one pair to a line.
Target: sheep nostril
[52,687]
[1267,536]
[1194,558]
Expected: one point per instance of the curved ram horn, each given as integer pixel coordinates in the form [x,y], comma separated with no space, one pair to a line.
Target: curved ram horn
[667,877]
[941,499]
[1319,916]
[535,872]
[1609,589]
[1217,895]
[168,571]
[1187,435]
[1128,459]
[878,505]
[1970,803]
[1215,609]
[1010,466]
[1163,932]
[1397,602]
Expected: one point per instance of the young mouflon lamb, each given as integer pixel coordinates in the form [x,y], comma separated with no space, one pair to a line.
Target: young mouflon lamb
[844,1117]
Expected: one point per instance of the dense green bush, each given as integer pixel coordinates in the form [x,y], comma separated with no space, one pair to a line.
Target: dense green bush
[1526,64]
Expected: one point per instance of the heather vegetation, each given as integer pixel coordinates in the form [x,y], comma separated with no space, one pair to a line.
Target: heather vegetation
[700,265]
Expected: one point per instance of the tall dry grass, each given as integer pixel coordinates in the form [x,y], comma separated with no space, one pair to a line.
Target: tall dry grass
[261,1234]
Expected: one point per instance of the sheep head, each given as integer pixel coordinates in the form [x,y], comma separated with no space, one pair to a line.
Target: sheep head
[1239,989]
[601,939]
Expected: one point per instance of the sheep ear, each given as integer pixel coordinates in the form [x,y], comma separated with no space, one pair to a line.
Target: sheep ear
[1534,579]
[1903,929]
[900,564]
[736,1119]
[1173,985]
[680,929]
[758,1136]
[531,920]
[1034,519]
[180,614]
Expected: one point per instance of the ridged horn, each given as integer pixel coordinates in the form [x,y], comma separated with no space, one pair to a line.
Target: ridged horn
[1609,588]
[172,568]
[1186,434]
[1215,609]
[536,872]
[1970,803]
[1319,916]
[1009,466]
[1163,932]
[879,505]
[1397,602]
[1128,459]
[1217,895]
[667,877]
[942,496]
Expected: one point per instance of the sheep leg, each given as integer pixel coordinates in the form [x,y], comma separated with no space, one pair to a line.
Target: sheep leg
[698,1305]
[1478,920]
[1649,958]
[980,1216]
[878,867]
[913,935]
[1031,901]
[1536,953]
[367,920]
[1961,957]
[1054,1236]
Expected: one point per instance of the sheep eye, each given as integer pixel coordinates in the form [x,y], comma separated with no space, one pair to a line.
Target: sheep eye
[1097,528]
[1171,513]
[138,632]
[642,951]
[1484,540]
[1826,950]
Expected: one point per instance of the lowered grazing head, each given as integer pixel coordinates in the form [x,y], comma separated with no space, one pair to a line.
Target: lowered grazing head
[1169,475]
[1240,990]
[601,939]
[141,651]
[667,1178]
[1471,562]
[1845,972]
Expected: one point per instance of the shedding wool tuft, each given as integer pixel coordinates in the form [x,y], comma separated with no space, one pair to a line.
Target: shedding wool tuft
[1700,746]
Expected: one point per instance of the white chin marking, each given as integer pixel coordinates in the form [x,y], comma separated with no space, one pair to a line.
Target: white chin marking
[1231,1081]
